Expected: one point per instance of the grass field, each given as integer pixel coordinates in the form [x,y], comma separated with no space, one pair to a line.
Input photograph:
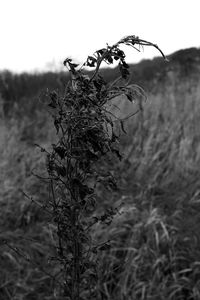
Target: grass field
[155,251]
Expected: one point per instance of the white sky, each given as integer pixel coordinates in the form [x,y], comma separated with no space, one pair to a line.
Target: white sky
[34,33]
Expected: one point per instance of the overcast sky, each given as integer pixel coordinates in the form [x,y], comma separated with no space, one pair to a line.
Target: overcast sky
[40,34]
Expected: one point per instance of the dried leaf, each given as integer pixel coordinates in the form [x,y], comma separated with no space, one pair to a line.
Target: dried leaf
[61,151]
[56,124]
[61,171]
[122,127]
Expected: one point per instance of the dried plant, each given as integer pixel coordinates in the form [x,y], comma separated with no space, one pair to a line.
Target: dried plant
[86,138]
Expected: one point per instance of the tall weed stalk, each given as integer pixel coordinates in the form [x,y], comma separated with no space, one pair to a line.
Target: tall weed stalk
[86,138]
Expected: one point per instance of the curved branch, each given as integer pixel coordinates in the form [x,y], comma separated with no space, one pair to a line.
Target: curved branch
[130,40]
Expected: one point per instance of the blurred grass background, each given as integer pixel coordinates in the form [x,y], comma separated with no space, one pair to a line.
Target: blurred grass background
[155,251]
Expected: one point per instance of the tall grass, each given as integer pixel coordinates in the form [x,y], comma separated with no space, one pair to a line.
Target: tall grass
[24,265]
[155,237]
